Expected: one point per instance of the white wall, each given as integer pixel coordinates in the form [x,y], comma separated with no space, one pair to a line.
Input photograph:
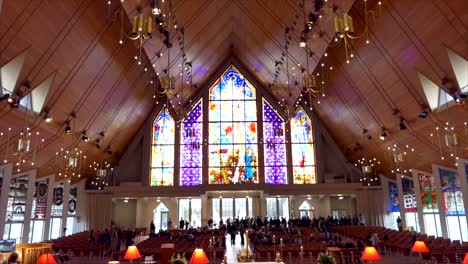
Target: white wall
[124,214]
[347,203]
[81,204]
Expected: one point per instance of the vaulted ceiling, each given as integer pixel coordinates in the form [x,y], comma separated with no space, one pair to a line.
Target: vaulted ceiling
[99,80]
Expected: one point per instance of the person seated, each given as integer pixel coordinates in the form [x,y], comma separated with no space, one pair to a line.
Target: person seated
[13,258]
[349,244]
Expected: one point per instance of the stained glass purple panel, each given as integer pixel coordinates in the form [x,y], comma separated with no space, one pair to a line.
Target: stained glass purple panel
[191,147]
[274,147]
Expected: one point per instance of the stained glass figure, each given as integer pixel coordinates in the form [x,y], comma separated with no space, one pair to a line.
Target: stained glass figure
[232,112]
[162,154]
[302,145]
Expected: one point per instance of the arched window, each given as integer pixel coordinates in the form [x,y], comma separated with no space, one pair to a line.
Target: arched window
[232,147]
[274,147]
[191,147]
[302,145]
[162,154]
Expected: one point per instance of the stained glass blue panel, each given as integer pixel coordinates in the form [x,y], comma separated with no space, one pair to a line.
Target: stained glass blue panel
[232,131]
[191,147]
[302,144]
[162,154]
[274,146]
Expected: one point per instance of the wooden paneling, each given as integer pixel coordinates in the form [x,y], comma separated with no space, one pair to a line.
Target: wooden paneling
[99,80]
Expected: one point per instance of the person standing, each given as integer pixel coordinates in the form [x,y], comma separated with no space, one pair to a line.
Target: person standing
[399,224]
[152,229]
[181,224]
[242,232]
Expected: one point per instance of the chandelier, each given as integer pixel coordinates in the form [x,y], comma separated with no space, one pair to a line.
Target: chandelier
[398,156]
[368,168]
[142,28]
[344,30]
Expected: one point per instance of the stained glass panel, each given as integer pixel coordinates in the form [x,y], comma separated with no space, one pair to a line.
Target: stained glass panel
[191,147]
[162,155]
[393,193]
[232,130]
[303,153]
[274,147]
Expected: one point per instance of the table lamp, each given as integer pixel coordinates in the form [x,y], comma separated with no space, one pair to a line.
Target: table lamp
[199,257]
[420,247]
[370,254]
[46,258]
[132,253]
[465,260]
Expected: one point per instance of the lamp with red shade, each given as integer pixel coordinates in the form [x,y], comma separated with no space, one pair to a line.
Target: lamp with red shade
[46,258]
[132,253]
[420,247]
[370,255]
[199,257]
[465,260]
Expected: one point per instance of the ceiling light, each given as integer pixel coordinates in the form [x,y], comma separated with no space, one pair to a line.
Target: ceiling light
[423,114]
[13,101]
[302,43]
[84,137]
[383,134]
[402,124]
[68,129]
[47,118]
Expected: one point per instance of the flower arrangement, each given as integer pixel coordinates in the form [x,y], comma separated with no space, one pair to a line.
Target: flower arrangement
[326,258]
[178,260]
[243,257]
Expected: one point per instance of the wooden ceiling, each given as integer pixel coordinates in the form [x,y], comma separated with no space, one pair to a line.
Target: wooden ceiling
[99,80]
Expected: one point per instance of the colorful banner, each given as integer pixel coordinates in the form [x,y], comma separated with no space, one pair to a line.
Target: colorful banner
[72,201]
[409,196]
[393,197]
[40,199]
[452,192]
[428,193]
[57,202]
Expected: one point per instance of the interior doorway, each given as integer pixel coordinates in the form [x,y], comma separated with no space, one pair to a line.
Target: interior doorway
[305,210]
[161,217]
[228,207]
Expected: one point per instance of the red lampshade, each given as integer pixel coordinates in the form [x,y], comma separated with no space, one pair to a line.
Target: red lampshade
[370,254]
[465,260]
[420,247]
[199,257]
[132,253]
[46,258]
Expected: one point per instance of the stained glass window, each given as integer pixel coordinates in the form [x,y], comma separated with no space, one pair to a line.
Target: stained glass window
[302,145]
[232,111]
[191,147]
[274,147]
[162,154]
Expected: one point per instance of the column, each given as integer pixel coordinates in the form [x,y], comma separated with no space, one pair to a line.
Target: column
[419,203]
[463,174]
[50,198]
[29,199]
[6,172]
[66,199]
[289,161]
[440,200]
[401,201]
[247,206]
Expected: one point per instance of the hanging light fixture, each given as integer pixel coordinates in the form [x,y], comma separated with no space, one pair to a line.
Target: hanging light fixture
[167,81]
[142,28]
[344,30]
